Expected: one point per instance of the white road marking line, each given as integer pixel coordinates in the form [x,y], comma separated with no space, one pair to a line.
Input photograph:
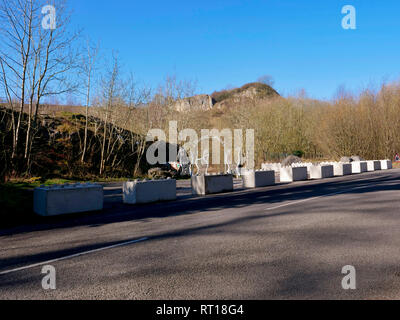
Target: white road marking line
[146,238]
[73,256]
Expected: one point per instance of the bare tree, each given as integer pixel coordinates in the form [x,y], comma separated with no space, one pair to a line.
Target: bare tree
[88,67]
[111,90]
[16,27]
[35,60]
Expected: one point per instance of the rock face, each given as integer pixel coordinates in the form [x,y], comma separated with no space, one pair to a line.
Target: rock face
[290,160]
[224,98]
[201,102]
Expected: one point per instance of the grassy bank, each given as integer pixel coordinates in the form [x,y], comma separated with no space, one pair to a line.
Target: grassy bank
[16,199]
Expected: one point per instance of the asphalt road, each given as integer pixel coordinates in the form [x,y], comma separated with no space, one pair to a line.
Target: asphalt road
[280,242]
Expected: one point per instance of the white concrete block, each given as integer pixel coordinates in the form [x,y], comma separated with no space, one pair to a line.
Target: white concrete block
[359,167]
[321,171]
[341,169]
[202,185]
[148,191]
[386,164]
[66,199]
[257,179]
[290,174]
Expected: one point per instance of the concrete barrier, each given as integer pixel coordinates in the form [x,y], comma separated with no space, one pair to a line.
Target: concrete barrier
[257,179]
[202,185]
[359,167]
[68,198]
[373,165]
[377,165]
[321,171]
[386,164]
[341,169]
[290,174]
[148,191]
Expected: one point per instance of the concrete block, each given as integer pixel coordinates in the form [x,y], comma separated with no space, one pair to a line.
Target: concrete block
[321,171]
[373,165]
[341,169]
[148,191]
[289,174]
[377,165]
[386,164]
[66,199]
[359,167]
[257,179]
[202,185]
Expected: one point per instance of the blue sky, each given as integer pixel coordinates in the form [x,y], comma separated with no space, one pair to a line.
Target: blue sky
[300,43]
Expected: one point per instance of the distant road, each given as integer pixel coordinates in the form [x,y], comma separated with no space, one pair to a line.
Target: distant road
[280,242]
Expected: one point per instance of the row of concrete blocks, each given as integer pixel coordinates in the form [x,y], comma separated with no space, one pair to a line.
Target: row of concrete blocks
[299,172]
[202,185]
[68,199]
[75,198]
[372,165]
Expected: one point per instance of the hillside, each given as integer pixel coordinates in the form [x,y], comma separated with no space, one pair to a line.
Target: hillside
[250,90]
[57,144]
[225,98]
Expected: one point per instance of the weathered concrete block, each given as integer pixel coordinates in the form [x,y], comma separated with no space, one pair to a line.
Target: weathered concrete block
[341,169]
[202,185]
[257,179]
[148,191]
[386,164]
[321,172]
[359,167]
[289,174]
[66,199]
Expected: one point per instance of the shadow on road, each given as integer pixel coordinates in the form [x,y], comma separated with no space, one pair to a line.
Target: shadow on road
[118,212]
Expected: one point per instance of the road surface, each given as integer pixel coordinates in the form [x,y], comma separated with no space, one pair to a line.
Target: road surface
[280,242]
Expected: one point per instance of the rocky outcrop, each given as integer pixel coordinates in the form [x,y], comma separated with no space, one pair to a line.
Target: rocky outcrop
[250,90]
[229,98]
[225,98]
[201,102]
